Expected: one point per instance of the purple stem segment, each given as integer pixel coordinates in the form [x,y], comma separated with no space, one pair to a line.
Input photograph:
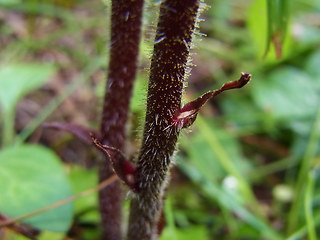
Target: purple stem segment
[168,65]
[125,38]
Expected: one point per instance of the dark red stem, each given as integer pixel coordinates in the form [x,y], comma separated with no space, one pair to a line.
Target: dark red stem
[125,38]
[168,66]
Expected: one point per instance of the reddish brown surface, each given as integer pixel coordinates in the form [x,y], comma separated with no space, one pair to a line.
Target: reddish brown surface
[125,38]
[168,65]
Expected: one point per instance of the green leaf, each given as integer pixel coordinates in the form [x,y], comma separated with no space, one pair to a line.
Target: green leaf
[287,93]
[81,180]
[278,12]
[17,80]
[46,235]
[190,233]
[139,94]
[173,233]
[268,22]
[257,23]
[9,2]
[312,67]
[32,177]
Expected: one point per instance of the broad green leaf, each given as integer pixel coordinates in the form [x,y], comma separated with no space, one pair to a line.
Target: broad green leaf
[312,67]
[9,2]
[81,180]
[287,93]
[240,111]
[32,177]
[17,80]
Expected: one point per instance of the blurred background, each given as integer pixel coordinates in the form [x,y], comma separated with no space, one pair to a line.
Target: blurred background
[247,169]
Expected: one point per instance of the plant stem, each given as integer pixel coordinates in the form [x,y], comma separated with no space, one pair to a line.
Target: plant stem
[175,28]
[125,39]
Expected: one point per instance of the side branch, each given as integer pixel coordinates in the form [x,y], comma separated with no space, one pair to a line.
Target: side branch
[120,164]
[188,114]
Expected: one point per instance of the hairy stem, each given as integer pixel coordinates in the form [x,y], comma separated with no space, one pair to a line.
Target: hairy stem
[125,38]
[168,66]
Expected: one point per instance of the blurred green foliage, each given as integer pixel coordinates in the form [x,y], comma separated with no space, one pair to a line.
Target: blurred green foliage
[32,177]
[250,167]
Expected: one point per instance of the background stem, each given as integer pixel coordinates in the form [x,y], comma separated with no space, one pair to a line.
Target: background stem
[125,39]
